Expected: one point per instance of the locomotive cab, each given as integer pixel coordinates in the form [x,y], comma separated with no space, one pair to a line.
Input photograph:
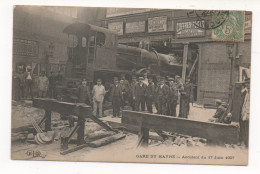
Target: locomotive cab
[89,48]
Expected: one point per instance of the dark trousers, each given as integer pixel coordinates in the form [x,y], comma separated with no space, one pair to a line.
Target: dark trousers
[52,92]
[132,102]
[149,104]
[244,131]
[183,107]
[162,105]
[116,103]
[140,100]
[21,91]
[172,108]
[29,84]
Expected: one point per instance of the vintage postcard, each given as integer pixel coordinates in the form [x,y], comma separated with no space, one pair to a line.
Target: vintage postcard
[131,85]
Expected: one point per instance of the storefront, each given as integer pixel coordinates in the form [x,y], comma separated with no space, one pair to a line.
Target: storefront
[184,35]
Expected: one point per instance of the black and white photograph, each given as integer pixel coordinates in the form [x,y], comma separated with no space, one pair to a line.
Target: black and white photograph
[138,85]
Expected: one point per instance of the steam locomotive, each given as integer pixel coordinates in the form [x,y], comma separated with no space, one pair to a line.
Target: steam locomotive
[94,52]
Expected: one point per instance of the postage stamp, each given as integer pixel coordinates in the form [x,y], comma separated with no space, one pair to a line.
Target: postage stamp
[232,29]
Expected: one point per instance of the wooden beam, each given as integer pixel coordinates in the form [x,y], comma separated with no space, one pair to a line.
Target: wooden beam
[77,109]
[215,132]
[193,66]
[184,61]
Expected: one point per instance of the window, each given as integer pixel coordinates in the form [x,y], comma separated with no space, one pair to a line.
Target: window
[100,39]
[96,39]
[83,42]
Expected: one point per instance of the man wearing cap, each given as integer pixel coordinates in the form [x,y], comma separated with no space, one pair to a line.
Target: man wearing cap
[131,92]
[84,93]
[98,93]
[145,81]
[125,88]
[28,78]
[244,118]
[116,97]
[156,94]
[188,89]
[221,109]
[149,96]
[139,94]
[162,92]
[43,85]
[173,97]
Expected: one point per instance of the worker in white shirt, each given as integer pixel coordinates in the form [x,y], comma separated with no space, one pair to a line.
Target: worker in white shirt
[28,78]
[98,97]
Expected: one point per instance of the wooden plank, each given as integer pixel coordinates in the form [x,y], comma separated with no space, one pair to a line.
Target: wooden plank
[106,140]
[62,107]
[144,135]
[216,132]
[193,66]
[184,61]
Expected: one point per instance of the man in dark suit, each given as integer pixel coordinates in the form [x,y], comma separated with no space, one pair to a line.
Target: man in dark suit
[162,92]
[149,98]
[131,92]
[116,98]
[139,94]
[172,98]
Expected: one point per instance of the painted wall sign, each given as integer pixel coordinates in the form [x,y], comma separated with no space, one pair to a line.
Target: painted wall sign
[135,27]
[157,24]
[190,29]
[117,27]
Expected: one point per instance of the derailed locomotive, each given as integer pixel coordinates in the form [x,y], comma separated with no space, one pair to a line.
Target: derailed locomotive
[93,52]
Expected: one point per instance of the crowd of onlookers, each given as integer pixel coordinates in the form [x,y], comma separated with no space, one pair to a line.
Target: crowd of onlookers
[142,93]
[159,95]
[26,85]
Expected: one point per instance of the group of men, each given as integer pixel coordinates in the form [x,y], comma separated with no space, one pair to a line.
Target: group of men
[26,85]
[142,93]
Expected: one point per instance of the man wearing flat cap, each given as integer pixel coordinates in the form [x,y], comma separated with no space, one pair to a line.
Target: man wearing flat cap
[173,97]
[244,117]
[139,95]
[131,92]
[149,97]
[84,92]
[162,96]
[116,97]
[221,110]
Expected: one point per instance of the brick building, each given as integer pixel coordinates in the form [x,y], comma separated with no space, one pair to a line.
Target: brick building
[176,32]
[38,38]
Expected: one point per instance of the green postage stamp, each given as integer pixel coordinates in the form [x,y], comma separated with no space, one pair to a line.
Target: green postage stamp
[231,28]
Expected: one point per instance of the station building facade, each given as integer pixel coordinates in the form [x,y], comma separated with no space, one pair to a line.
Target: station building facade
[182,34]
[38,38]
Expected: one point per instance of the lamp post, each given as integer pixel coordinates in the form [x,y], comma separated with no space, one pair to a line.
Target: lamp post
[229,48]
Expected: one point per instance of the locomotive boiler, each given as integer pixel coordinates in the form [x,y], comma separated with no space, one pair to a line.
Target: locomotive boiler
[94,52]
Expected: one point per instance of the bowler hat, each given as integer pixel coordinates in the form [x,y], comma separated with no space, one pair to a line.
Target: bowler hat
[141,78]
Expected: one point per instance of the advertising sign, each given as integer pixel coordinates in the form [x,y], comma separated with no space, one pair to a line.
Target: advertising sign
[135,27]
[190,29]
[117,27]
[157,24]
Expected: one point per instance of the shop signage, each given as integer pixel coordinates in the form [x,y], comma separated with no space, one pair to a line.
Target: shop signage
[135,27]
[117,27]
[157,24]
[190,29]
